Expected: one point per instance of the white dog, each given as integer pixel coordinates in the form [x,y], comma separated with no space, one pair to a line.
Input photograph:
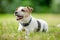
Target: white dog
[29,23]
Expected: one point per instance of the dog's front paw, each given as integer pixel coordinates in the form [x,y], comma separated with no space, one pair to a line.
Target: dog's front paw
[19,30]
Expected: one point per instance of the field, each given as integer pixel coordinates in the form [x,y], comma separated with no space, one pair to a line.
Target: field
[9,25]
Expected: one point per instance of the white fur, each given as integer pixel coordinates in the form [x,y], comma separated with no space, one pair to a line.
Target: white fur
[33,25]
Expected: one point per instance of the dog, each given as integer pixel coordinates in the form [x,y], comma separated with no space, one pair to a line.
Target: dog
[29,23]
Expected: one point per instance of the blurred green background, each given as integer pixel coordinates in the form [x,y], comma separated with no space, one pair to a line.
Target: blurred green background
[48,10]
[39,6]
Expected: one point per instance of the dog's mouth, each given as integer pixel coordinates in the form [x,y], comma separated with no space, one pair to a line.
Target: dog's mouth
[19,17]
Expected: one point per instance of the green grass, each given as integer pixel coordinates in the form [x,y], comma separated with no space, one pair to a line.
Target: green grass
[9,26]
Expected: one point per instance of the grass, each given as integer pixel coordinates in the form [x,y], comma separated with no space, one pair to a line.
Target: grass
[9,26]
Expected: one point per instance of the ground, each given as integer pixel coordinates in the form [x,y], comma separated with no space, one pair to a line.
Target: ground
[9,25]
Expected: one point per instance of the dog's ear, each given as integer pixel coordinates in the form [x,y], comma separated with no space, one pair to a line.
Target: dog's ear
[30,9]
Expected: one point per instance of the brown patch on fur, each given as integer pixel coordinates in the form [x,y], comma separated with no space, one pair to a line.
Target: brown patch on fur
[30,9]
[26,15]
[27,12]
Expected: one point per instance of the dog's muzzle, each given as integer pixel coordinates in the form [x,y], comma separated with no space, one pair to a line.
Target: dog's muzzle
[18,16]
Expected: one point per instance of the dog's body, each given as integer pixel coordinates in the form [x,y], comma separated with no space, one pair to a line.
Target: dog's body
[29,23]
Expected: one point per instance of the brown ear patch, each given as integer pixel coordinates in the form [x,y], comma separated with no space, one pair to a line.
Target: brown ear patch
[30,9]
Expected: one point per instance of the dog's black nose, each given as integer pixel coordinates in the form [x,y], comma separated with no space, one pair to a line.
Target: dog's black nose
[16,12]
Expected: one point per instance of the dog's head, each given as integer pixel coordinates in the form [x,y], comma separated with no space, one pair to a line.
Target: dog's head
[23,12]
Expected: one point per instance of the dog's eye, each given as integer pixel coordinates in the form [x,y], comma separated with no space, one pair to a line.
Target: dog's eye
[23,10]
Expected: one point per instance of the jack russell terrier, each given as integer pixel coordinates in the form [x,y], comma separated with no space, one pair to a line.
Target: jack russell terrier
[29,23]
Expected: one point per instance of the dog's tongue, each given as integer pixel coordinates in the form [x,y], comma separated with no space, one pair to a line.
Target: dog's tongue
[19,17]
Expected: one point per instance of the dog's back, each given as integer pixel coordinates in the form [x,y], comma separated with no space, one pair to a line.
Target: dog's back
[44,25]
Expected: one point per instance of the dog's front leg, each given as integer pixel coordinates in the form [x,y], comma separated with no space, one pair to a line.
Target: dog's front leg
[27,33]
[20,28]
